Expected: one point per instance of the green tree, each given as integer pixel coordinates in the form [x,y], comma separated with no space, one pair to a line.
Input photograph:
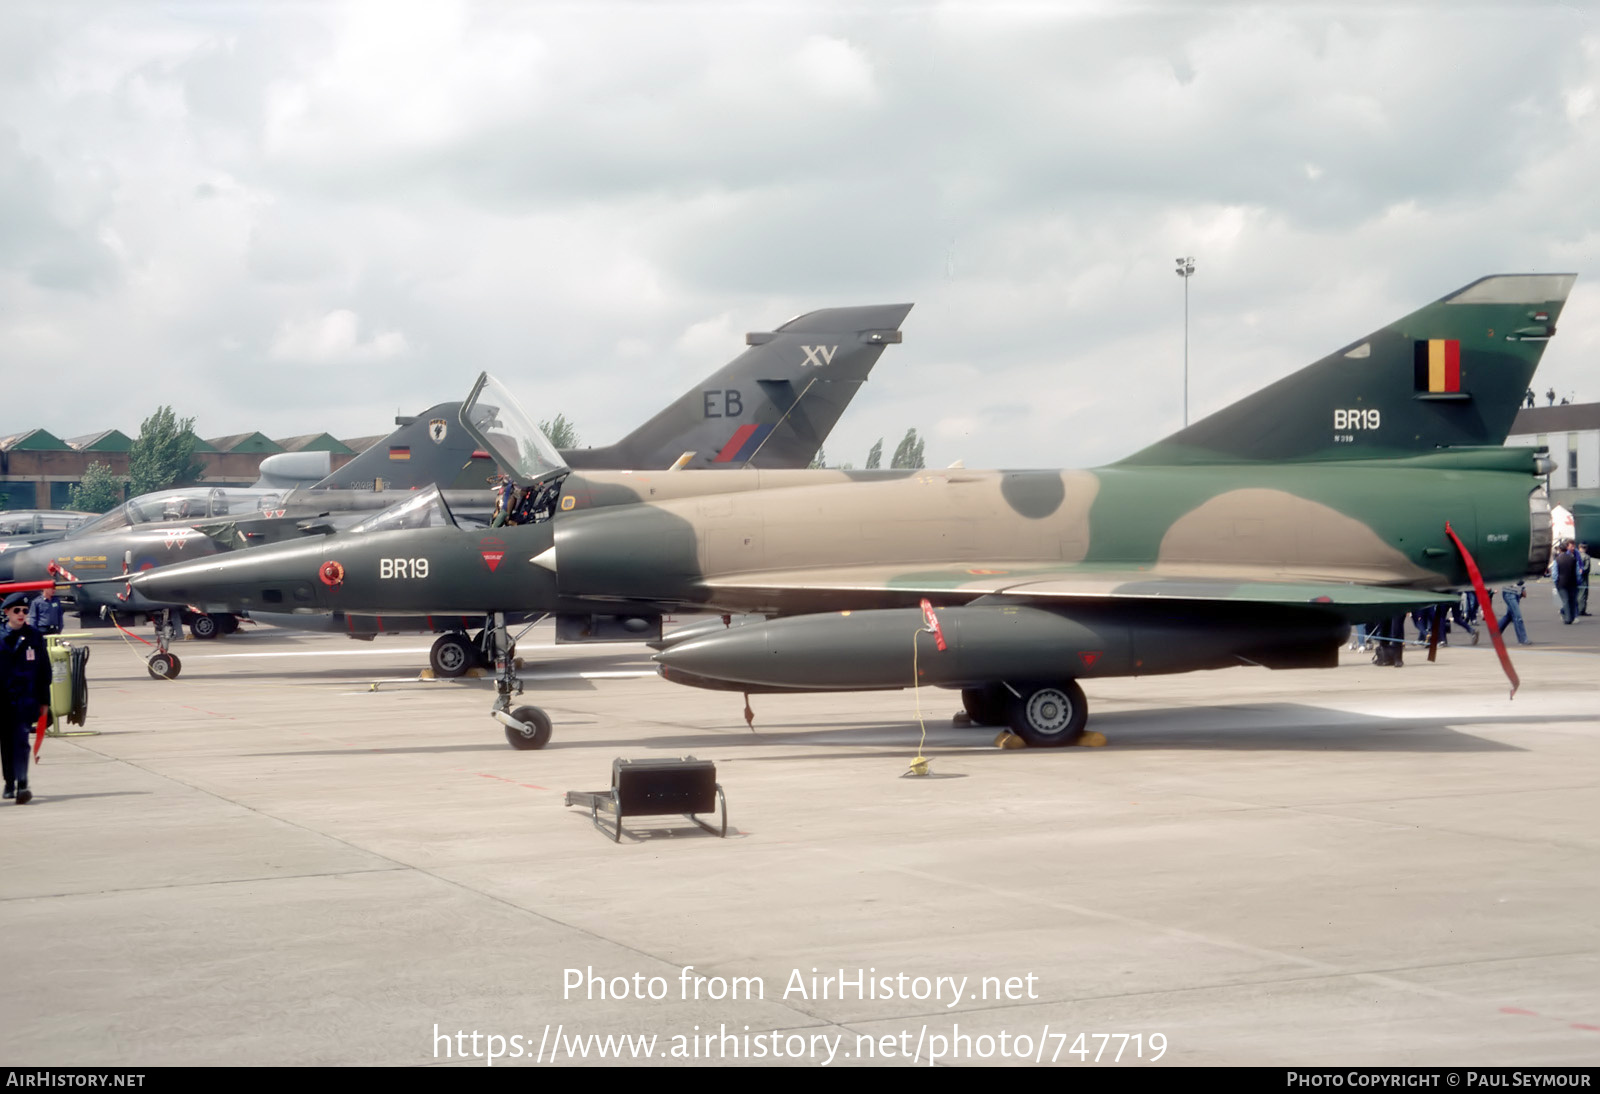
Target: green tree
[561,432]
[819,461]
[163,455]
[908,454]
[875,456]
[99,491]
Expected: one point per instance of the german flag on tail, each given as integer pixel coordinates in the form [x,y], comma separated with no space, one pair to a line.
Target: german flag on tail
[1438,365]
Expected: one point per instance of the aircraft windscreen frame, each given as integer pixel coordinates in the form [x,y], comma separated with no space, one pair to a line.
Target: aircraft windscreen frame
[191,503]
[516,441]
[424,509]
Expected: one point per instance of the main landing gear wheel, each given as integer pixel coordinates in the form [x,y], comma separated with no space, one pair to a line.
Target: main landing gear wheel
[1049,715]
[532,716]
[164,666]
[986,706]
[452,655]
[205,626]
[228,622]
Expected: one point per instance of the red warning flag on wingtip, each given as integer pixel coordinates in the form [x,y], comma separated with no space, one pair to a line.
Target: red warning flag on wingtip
[933,623]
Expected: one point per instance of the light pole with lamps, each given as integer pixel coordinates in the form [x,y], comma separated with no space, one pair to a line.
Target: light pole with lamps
[1186,270]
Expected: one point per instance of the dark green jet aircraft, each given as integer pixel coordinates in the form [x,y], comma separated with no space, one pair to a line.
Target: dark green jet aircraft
[771,406]
[1361,486]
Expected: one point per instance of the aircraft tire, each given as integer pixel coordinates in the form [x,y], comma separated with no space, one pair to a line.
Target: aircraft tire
[164,666]
[451,656]
[228,622]
[986,706]
[1049,715]
[542,729]
[205,626]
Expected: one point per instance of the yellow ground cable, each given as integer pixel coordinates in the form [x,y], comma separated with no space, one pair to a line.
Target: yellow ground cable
[919,766]
[127,637]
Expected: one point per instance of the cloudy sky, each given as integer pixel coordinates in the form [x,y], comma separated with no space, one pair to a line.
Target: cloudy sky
[297,217]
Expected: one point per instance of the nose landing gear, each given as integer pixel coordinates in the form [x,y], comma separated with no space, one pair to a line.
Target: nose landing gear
[163,664]
[527,727]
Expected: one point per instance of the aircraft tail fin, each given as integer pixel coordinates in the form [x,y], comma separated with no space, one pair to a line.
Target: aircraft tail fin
[427,448]
[772,406]
[1452,373]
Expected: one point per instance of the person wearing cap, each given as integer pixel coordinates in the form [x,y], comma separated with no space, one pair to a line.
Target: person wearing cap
[24,692]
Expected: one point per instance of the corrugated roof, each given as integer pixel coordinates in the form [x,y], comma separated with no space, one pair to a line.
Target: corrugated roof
[107,440]
[315,442]
[245,442]
[34,440]
[361,444]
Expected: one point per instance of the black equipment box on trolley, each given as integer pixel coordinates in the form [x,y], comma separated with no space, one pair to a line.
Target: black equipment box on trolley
[645,788]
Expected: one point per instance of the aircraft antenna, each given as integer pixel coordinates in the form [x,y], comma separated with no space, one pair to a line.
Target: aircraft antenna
[774,431]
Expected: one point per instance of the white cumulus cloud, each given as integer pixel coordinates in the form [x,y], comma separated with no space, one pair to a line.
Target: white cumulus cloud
[334,338]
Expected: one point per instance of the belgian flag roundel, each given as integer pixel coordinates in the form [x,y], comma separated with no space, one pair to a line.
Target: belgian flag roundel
[1438,365]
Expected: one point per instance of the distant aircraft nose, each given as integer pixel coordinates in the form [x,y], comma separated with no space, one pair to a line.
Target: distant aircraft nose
[28,563]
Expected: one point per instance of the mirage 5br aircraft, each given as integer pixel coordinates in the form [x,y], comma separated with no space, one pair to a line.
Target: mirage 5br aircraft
[1366,484]
[772,406]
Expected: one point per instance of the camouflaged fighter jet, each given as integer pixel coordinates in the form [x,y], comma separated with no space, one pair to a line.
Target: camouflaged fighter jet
[771,406]
[1366,484]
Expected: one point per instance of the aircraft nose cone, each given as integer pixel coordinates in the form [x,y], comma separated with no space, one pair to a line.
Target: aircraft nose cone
[29,564]
[276,578]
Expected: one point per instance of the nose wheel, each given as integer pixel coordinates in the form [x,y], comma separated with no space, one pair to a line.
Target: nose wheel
[163,664]
[533,728]
[527,727]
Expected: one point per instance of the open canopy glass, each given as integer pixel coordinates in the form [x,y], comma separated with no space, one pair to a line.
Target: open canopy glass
[497,421]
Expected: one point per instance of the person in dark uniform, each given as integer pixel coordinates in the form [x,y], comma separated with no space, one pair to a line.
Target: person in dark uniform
[24,691]
[1584,566]
[45,613]
[1565,569]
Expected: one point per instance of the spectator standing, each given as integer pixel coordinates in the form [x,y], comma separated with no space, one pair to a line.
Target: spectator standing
[24,692]
[1565,569]
[1584,565]
[45,613]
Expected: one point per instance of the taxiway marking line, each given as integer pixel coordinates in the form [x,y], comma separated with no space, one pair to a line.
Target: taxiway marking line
[380,652]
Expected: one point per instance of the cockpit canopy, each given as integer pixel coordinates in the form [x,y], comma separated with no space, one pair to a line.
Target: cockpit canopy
[29,522]
[187,503]
[423,509]
[497,421]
